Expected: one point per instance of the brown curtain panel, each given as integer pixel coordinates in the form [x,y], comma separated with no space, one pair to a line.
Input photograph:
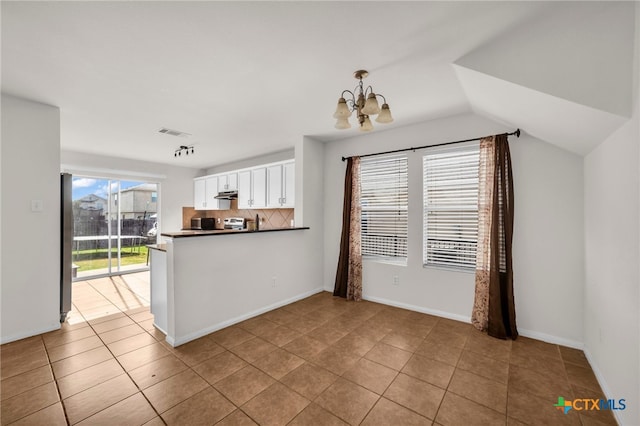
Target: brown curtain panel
[349,272]
[494,308]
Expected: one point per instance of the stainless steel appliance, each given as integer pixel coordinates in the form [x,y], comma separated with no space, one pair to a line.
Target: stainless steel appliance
[66,243]
[234,223]
[227,195]
[196,224]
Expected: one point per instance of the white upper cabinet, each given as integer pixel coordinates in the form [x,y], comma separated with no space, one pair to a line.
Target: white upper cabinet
[204,192]
[259,188]
[274,186]
[268,186]
[200,194]
[244,189]
[252,188]
[289,185]
[228,182]
[281,185]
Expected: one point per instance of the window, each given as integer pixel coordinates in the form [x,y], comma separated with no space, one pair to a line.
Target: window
[384,199]
[450,231]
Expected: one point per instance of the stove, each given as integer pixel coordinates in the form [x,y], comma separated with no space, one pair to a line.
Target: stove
[234,223]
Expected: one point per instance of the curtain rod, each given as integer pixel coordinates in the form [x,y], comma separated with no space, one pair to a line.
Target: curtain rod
[516,133]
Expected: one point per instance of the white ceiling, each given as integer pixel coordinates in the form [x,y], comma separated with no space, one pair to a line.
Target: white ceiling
[249,78]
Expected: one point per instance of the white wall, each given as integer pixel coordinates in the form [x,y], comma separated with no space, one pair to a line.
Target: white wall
[30,240]
[548,243]
[210,286]
[612,240]
[176,183]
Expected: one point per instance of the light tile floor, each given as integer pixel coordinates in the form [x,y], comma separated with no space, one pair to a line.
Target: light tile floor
[319,361]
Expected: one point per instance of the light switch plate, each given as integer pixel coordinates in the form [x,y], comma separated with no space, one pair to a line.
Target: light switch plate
[36,205]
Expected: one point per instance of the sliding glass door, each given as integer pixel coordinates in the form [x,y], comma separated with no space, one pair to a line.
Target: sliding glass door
[114,220]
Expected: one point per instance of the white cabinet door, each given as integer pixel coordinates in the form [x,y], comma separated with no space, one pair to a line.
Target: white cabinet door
[244,189]
[212,190]
[289,185]
[200,194]
[274,186]
[281,185]
[259,188]
[204,193]
[232,181]
[228,182]
[222,183]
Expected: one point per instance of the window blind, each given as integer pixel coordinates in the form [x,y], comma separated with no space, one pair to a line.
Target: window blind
[384,200]
[450,182]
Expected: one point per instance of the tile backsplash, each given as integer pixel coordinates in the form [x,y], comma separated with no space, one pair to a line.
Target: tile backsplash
[270,218]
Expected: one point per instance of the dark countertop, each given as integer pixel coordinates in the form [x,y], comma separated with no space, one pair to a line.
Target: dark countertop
[188,233]
[160,247]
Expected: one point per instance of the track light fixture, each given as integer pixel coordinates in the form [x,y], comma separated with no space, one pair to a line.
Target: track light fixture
[185,149]
[365,103]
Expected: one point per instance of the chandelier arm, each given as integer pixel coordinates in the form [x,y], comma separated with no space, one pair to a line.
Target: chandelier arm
[384,100]
[351,101]
[368,90]
[349,92]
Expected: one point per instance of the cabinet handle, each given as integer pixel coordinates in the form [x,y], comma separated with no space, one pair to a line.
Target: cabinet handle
[284,201]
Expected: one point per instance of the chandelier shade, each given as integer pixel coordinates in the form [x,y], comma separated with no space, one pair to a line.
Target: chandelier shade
[342,110]
[343,123]
[371,106]
[385,115]
[365,103]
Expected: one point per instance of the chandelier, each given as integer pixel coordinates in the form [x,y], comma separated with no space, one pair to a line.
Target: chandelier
[365,103]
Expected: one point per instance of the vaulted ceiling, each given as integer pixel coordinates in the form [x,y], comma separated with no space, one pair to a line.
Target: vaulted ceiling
[249,78]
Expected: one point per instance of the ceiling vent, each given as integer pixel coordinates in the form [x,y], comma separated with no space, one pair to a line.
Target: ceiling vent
[174,132]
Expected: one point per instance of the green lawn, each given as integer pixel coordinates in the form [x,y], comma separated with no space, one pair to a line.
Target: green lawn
[88,260]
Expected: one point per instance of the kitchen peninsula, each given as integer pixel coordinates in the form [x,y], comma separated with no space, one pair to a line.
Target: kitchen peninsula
[202,281]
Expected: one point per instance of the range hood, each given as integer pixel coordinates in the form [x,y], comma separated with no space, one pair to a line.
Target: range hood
[227,195]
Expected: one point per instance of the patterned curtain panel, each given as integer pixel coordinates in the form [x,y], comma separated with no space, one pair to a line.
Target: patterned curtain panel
[349,273]
[493,307]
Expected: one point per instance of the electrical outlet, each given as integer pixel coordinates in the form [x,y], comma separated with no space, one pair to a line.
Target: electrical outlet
[396,280]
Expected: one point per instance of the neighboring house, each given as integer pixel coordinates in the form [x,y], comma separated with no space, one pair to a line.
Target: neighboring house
[90,202]
[136,202]
[90,206]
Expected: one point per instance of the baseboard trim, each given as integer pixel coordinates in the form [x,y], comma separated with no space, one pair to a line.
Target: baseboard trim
[550,338]
[602,382]
[467,319]
[421,309]
[219,326]
[24,335]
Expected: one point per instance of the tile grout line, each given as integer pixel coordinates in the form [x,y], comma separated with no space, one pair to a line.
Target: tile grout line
[127,373]
[118,361]
[64,411]
[472,349]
